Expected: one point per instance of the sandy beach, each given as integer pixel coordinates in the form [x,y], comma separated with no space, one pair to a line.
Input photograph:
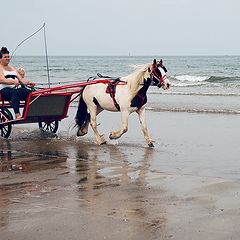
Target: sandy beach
[187,187]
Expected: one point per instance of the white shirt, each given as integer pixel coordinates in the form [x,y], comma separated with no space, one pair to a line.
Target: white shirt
[6,73]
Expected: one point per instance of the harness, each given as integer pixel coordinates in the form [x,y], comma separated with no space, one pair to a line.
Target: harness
[111,89]
[141,98]
[138,101]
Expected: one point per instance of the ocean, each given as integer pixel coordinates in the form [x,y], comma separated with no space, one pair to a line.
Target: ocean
[188,185]
[201,84]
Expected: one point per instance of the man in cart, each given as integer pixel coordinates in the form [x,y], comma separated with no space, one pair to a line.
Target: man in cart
[12,84]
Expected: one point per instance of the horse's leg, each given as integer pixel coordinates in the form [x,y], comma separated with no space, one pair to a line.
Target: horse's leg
[94,110]
[118,134]
[84,128]
[142,118]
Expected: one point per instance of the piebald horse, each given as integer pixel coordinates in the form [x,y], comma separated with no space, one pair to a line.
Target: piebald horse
[129,96]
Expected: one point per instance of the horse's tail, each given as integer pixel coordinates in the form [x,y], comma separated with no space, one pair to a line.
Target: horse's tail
[82,113]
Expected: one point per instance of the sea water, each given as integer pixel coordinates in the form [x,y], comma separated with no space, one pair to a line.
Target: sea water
[203,84]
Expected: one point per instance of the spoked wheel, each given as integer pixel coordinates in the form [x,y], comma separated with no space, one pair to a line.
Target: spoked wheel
[5,115]
[49,126]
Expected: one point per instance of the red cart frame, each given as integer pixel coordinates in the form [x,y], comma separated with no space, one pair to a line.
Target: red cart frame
[46,107]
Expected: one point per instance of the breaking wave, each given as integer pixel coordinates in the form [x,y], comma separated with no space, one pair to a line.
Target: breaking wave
[195,80]
[190,78]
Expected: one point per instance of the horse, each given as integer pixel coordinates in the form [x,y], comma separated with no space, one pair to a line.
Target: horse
[128,95]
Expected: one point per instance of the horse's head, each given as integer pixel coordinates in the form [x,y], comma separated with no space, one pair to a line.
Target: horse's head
[158,74]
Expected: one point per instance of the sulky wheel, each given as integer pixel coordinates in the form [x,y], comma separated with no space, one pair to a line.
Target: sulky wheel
[5,116]
[49,126]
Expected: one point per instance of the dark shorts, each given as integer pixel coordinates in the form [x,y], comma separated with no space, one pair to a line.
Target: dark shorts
[15,95]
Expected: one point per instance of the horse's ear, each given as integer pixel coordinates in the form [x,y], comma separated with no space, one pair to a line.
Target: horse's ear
[154,62]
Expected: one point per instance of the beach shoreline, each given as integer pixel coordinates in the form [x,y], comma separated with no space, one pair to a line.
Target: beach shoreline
[187,187]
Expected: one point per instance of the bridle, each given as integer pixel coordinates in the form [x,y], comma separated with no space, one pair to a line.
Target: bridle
[155,73]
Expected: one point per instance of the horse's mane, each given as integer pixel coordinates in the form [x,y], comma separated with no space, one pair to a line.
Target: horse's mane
[136,78]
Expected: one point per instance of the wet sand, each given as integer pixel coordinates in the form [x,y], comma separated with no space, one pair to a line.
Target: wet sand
[187,187]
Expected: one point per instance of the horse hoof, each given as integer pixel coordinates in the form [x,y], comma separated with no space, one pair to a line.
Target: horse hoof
[112,137]
[151,145]
[80,133]
[102,142]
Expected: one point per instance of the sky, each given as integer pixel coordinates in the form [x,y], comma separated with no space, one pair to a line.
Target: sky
[122,27]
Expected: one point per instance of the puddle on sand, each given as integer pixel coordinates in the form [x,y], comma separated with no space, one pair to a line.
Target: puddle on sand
[27,162]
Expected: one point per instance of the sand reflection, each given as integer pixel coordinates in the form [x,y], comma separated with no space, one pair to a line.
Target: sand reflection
[114,184]
[107,183]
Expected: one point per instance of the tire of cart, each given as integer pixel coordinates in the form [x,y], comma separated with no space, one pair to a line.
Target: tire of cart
[51,126]
[5,115]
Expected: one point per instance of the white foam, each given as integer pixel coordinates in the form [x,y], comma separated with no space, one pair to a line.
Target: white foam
[191,78]
[185,84]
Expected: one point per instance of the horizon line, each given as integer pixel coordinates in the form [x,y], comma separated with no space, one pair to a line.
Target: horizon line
[195,55]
